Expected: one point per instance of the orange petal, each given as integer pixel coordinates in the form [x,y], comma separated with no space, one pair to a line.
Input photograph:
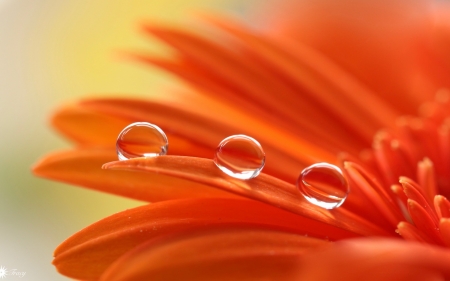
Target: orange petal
[376,194]
[357,202]
[374,260]
[413,191]
[441,32]
[89,252]
[216,69]
[391,157]
[88,127]
[444,148]
[424,221]
[83,167]
[215,255]
[444,228]
[392,40]
[308,69]
[426,177]
[189,132]
[442,206]
[263,188]
[410,232]
[402,200]
[229,70]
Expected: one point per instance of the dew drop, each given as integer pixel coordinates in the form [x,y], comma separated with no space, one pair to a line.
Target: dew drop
[141,139]
[240,156]
[324,185]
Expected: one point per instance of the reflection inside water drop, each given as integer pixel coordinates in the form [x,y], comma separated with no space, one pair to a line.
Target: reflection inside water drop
[324,185]
[141,139]
[240,156]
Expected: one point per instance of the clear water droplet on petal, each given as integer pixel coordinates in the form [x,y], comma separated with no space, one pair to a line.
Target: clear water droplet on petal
[141,139]
[324,185]
[240,156]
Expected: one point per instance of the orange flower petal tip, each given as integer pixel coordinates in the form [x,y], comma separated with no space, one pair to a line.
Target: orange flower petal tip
[86,126]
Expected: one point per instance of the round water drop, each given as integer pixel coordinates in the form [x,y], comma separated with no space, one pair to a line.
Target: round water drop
[324,185]
[240,157]
[141,139]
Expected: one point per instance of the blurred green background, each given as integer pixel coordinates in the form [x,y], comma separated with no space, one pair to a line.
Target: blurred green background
[53,52]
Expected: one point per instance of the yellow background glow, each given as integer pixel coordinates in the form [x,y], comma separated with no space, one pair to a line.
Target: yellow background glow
[53,52]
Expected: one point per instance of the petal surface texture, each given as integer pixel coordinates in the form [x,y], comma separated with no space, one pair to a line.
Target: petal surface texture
[263,188]
[226,255]
[89,252]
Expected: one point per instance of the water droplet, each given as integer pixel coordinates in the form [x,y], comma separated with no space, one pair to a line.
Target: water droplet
[240,156]
[141,139]
[324,185]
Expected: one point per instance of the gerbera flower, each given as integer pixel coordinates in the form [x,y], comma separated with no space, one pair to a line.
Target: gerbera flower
[308,91]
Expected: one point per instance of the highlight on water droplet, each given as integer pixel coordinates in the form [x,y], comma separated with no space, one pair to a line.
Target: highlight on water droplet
[141,139]
[324,185]
[240,156]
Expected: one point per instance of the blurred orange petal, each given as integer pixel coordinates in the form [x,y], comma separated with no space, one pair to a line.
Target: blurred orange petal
[327,90]
[444,226]
[232,254]
[441,32]
[442,206]
[89,252]
[227,75]
[374,260]
[424,221]
[384,44]
[409,232]
[376,195]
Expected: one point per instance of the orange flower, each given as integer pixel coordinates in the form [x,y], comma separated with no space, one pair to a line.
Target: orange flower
[316,86]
